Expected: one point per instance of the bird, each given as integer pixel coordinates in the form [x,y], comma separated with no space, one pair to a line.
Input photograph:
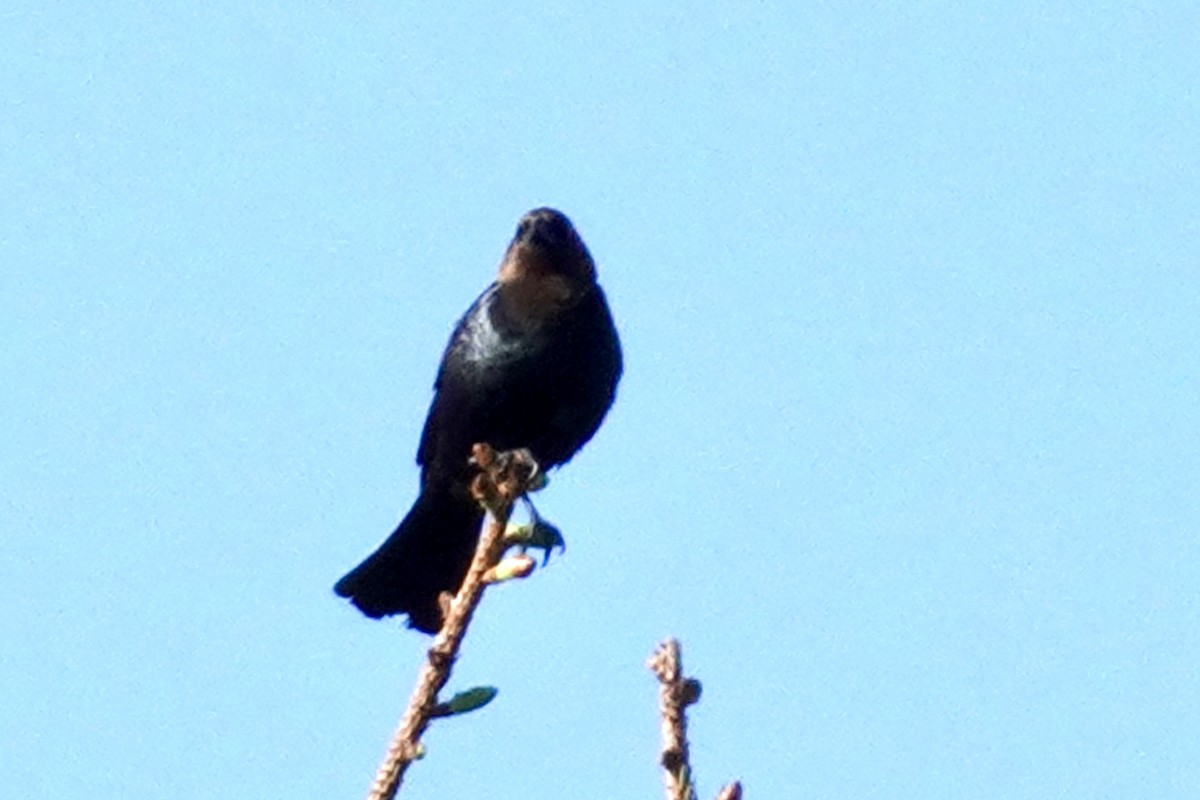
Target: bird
[533,364]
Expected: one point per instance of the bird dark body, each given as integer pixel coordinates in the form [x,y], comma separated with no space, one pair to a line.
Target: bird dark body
[534,363]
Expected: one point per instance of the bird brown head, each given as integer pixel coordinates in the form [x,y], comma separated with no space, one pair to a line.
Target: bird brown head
[547,267]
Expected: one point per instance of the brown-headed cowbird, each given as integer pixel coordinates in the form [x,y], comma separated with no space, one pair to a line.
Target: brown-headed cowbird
[534,364]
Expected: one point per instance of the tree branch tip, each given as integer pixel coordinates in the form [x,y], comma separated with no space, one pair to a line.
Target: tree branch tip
[732,791]
[664,662]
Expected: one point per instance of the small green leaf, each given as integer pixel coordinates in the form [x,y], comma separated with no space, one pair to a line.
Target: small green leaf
[518,533]
[471,700]
[546,537]
[541,535]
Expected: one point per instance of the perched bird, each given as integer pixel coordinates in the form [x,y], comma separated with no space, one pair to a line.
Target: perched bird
[534,363]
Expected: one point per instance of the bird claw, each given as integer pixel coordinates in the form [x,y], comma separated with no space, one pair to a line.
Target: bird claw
[522,459]
[504,475]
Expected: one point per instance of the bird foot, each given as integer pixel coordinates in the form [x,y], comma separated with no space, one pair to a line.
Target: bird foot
[504,475]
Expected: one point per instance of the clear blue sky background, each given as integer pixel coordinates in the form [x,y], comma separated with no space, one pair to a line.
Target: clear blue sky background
[906,451]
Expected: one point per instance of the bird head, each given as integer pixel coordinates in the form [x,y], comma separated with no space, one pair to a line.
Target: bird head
[547,267]
[546,243]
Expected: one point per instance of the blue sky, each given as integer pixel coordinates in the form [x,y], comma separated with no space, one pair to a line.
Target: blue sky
[905,453]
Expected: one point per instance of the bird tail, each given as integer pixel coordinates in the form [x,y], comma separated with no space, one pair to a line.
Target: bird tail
[428,553]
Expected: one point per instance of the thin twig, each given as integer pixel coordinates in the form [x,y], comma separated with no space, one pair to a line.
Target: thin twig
[667,664]
[732,791]
[504,478]
[675,694]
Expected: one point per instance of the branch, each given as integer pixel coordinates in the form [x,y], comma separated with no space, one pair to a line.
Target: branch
[675,694]
[504,477]
[732,791]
